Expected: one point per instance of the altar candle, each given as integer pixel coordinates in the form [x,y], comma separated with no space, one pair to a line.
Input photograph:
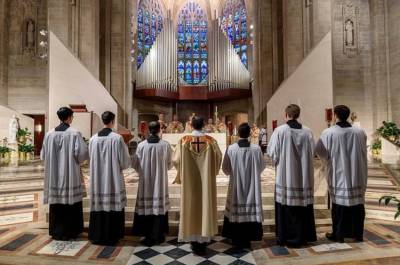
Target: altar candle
[274,124]
[328,115]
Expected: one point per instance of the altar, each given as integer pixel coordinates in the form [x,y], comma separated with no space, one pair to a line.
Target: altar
[173,139]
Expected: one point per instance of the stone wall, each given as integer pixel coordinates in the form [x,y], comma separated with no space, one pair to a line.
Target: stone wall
[393,23]
[27,73]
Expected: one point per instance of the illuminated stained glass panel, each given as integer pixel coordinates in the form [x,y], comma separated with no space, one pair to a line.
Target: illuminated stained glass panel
[192,44]
[150,23]
[234,23]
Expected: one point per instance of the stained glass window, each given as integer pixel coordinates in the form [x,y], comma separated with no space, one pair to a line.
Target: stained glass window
[192,44]
[234,23]
[150,24]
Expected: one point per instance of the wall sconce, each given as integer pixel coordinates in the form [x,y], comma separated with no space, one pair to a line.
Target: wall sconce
[38,128]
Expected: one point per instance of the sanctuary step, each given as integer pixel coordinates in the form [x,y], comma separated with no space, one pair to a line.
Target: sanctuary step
[23,178]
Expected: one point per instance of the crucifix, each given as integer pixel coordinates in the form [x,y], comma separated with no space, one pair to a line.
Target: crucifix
[197,143]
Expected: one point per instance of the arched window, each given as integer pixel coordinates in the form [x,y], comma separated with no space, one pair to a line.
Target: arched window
[234,23]
[192,44]
[150,24]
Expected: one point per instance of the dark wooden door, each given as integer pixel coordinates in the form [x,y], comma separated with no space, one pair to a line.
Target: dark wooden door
[39,131]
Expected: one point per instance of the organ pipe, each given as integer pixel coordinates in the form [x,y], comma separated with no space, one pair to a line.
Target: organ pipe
[159,69]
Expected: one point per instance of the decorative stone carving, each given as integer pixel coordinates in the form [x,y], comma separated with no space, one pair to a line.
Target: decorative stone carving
[350,14]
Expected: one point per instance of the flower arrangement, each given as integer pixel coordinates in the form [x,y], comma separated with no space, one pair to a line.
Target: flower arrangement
[25,151]
[389,130]
[23,135]
[376,146]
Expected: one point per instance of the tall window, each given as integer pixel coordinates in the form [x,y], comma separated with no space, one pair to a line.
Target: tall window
[192,45]
[150,24]
[234,23]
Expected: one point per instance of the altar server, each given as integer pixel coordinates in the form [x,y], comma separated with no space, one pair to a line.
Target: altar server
[197,159]
[291,149]
[108,157]
[244,163]
[152,161]
[63,151]
[344,150]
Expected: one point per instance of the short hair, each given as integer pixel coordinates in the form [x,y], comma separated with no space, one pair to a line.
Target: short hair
[154,127]
[197,123]
[64,113]
[293,111]
[342,112]
[107,117]
[244,130]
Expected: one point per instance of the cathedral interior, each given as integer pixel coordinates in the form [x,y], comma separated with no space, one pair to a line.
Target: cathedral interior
[228,61]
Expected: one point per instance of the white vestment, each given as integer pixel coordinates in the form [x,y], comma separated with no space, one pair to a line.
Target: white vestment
[244,165]
[62,152]
[108,157]
[292,152]
[152,161]
[345,152]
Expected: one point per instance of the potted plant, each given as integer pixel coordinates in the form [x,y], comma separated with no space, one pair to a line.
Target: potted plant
[5,154]
[389,130]
[23,135]
[25,151]
[376,147]
[387,200]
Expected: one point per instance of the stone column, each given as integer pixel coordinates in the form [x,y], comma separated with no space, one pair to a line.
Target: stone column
[263,59]
[393,44]
[380,67]
[3,53]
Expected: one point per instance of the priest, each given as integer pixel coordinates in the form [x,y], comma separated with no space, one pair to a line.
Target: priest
[244,163]
[197,158]
[209,128]
[62,152]
[152,161]
[175,126]
[291,149]
[343,148]
[108,157]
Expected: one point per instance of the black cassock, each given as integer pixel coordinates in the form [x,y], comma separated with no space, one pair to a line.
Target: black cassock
[294,194]
[107,227]
[65,220]
[295,225]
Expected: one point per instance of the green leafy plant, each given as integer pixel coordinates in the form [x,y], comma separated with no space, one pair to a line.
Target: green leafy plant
[387,200]
[388,129]
[26,148]
[23,133]
[376,145]
[5,150]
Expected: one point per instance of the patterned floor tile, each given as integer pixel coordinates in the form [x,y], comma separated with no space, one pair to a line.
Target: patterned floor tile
[62,248]
[160,260]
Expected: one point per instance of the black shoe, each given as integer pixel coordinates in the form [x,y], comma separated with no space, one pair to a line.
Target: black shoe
[199,249]
[359,239]
[334,238]
[148,242]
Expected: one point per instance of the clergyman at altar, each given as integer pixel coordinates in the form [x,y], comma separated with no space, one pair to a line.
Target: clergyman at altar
[175,126]
[197,158]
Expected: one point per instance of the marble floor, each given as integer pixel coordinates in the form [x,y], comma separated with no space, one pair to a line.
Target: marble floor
[24,238]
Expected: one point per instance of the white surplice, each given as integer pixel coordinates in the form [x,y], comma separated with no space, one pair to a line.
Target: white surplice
[344,151]
[244,165]
[292,152]
[108,157]
[152,161]
[62,152]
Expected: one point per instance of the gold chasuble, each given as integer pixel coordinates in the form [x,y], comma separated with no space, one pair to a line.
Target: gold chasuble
[198,161]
